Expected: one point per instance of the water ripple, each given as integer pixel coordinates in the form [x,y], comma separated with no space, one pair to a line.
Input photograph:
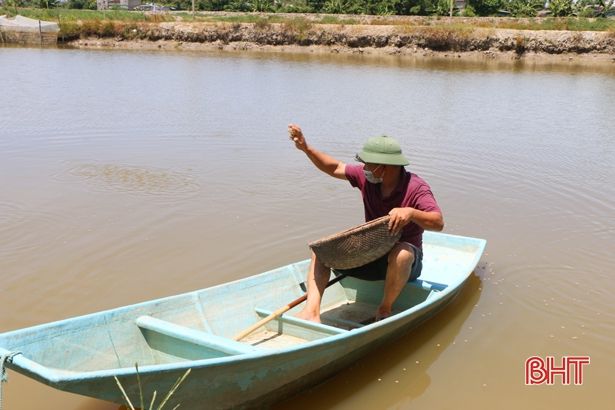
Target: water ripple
[136,180]
[555,292]
[11,215]
[28,231]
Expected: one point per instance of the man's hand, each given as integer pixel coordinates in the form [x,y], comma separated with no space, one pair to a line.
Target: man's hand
[296,135]
[400,217]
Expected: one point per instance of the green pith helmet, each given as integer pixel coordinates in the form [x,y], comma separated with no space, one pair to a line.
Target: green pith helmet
[382,150]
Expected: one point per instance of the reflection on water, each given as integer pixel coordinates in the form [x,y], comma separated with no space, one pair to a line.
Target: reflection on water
[402,365]
[127,176]
[427,61]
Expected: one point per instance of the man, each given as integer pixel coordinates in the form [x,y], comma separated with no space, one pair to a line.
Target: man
[387,188]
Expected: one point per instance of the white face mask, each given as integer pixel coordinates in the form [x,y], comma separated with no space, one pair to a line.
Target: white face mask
[369,175]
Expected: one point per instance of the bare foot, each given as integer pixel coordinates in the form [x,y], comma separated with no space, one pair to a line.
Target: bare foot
[311,316]
[382,313]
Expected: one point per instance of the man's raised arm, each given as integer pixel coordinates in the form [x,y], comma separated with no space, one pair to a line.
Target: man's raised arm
[323,162]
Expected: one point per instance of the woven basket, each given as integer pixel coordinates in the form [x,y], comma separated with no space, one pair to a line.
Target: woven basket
[356,246]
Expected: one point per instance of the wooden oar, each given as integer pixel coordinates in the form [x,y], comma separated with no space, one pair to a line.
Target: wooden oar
[281,311]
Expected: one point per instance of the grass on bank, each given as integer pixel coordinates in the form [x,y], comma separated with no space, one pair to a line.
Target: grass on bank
[92,21]
[84,15]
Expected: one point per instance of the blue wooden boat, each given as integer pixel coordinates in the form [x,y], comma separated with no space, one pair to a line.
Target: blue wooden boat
[195,331]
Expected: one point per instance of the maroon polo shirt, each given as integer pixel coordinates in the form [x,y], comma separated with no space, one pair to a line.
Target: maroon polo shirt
[411,191]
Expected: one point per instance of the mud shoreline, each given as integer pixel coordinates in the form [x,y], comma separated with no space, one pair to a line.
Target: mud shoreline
[586,59]
[477,44]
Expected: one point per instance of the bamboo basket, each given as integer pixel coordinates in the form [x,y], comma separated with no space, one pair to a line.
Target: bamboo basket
[356,246]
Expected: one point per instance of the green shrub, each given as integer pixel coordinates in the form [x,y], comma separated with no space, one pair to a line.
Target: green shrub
[238,5]
[560,8]
[69,30]
[90,28]
[107,29]
[468,11]
[415,10]
[81,4]
[523,8]
[440,8]
[334,6]
[485,7]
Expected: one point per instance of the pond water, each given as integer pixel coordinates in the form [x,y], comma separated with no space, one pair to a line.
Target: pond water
[127,176]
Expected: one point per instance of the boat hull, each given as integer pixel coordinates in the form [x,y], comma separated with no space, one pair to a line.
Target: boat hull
[258,381]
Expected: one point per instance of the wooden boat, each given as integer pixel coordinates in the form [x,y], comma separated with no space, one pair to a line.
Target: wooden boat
[195,331]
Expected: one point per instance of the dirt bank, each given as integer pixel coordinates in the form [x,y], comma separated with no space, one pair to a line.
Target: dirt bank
[489,43]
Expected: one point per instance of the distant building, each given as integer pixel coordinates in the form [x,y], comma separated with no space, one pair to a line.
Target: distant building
[120,4]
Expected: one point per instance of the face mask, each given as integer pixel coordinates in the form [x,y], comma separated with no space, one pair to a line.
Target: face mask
[369,175]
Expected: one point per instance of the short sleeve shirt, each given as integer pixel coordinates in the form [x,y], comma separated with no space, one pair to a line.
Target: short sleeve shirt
[411,191]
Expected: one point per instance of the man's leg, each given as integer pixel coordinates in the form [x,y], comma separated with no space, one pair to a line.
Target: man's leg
[400,261]
[317,279]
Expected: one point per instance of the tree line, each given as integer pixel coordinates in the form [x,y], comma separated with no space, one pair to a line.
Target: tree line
[471,8]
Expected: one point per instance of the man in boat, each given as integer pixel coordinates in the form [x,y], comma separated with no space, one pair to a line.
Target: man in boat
[387,188]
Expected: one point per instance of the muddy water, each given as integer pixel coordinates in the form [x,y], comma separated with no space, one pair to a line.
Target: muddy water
[127,176]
